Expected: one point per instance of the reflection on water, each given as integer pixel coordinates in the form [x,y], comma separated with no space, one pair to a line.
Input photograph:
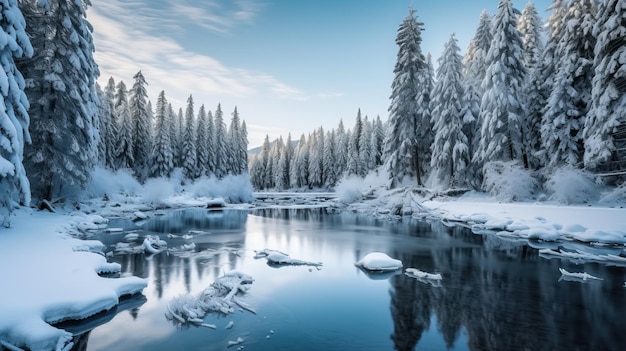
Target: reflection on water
[495,294]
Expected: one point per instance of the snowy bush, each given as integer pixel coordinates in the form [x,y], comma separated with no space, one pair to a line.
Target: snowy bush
[568,185]
[508,181]
[155,190]
[104,181]
[234,189]
[352,188]
[615,196]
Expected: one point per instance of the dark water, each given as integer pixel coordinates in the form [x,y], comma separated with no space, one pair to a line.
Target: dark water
[495,294]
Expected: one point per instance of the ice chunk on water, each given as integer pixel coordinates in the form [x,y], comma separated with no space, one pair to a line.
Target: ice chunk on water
[153,245]
[219,297]
[379,262]
[278,258]
[230,325]
[584,276]
[236,342]
[414,272]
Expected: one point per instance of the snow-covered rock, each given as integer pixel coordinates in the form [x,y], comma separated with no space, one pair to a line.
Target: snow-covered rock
[140,215]
[379,262]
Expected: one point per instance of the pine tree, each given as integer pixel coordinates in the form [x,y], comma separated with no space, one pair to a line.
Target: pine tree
[300,166]
[330,159]
[530,27]
[236,150]
[201,143]
[564,117]
[450,151]
[221,153]
[341,150]
[14,120]
[406,116]
[177,140]
[124,153]
[60,85]
[365,148]
[378,139]
[243,148]
[501,111]
[474,73]
[354,161]
[283,180]
[161,164]
[210,145]
[109,135]
[188,142]
[608,94]
[142,124]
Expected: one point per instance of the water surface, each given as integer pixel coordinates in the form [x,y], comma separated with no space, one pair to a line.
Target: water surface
[495,294]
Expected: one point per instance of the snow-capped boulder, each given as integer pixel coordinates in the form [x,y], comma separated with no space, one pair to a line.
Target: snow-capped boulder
[379,262]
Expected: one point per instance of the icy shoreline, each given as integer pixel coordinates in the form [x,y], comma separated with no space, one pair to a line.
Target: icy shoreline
[49,277]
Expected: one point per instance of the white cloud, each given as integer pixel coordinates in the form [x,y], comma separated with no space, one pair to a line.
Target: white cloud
[128,40]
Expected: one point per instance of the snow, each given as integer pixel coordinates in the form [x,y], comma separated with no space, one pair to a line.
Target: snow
[535,220]
[416,273]
[278,258]
[379,262]
[57,279]
[584,276]
[219,297]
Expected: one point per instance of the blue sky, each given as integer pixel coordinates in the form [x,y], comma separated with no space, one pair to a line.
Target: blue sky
[288,66]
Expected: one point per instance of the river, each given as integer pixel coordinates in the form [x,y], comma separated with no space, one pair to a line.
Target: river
[495,294]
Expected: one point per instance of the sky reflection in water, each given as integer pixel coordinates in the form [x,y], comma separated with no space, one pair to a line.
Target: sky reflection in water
[495,294]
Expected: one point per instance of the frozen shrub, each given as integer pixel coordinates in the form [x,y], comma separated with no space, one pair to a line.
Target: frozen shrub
[509,181]
[234,189]
[155,190]
[350,189]
[104,181]
[568,185]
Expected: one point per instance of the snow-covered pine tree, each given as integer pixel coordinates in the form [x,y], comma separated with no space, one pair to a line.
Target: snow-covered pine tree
[474,73]
[406,116]
[220,138]
[569,101]
[110,135]
[201,143]
[161,161]
[283,180]
[60,85]
[210,145]
[14,120]
[501,110]
[189,142]
[142,126]
[124,152]
[300,166]
[329,159]
[177,139]
[243,148]
[378,139]
[237,151]
[365,148]
[608,94]
[531,31]
[275,154]
[341,149]
[265,164]
[449,151]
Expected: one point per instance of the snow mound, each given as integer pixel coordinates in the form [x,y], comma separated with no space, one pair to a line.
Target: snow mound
[379,262]
[509,181]
[278,258]
[153,245]
[220,297]
[572,186]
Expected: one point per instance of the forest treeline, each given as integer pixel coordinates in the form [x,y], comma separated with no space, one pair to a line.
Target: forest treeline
[513,101]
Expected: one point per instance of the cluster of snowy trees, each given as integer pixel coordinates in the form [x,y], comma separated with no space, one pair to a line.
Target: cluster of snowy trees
[512,98]
[154,143]
[57,125]
[320,159]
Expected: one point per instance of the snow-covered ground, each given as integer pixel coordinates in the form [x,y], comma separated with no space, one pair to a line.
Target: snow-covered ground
[48,277]
[598,224]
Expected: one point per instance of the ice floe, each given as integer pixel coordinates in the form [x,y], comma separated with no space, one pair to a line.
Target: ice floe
[583,276]
[154,245]
[278,258]
[379,262]
[414,272]
[222,296]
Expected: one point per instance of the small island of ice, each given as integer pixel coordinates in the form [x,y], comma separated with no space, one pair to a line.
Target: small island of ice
[379,262]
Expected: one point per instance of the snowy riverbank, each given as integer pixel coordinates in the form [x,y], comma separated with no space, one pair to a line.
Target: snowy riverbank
[48,277]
